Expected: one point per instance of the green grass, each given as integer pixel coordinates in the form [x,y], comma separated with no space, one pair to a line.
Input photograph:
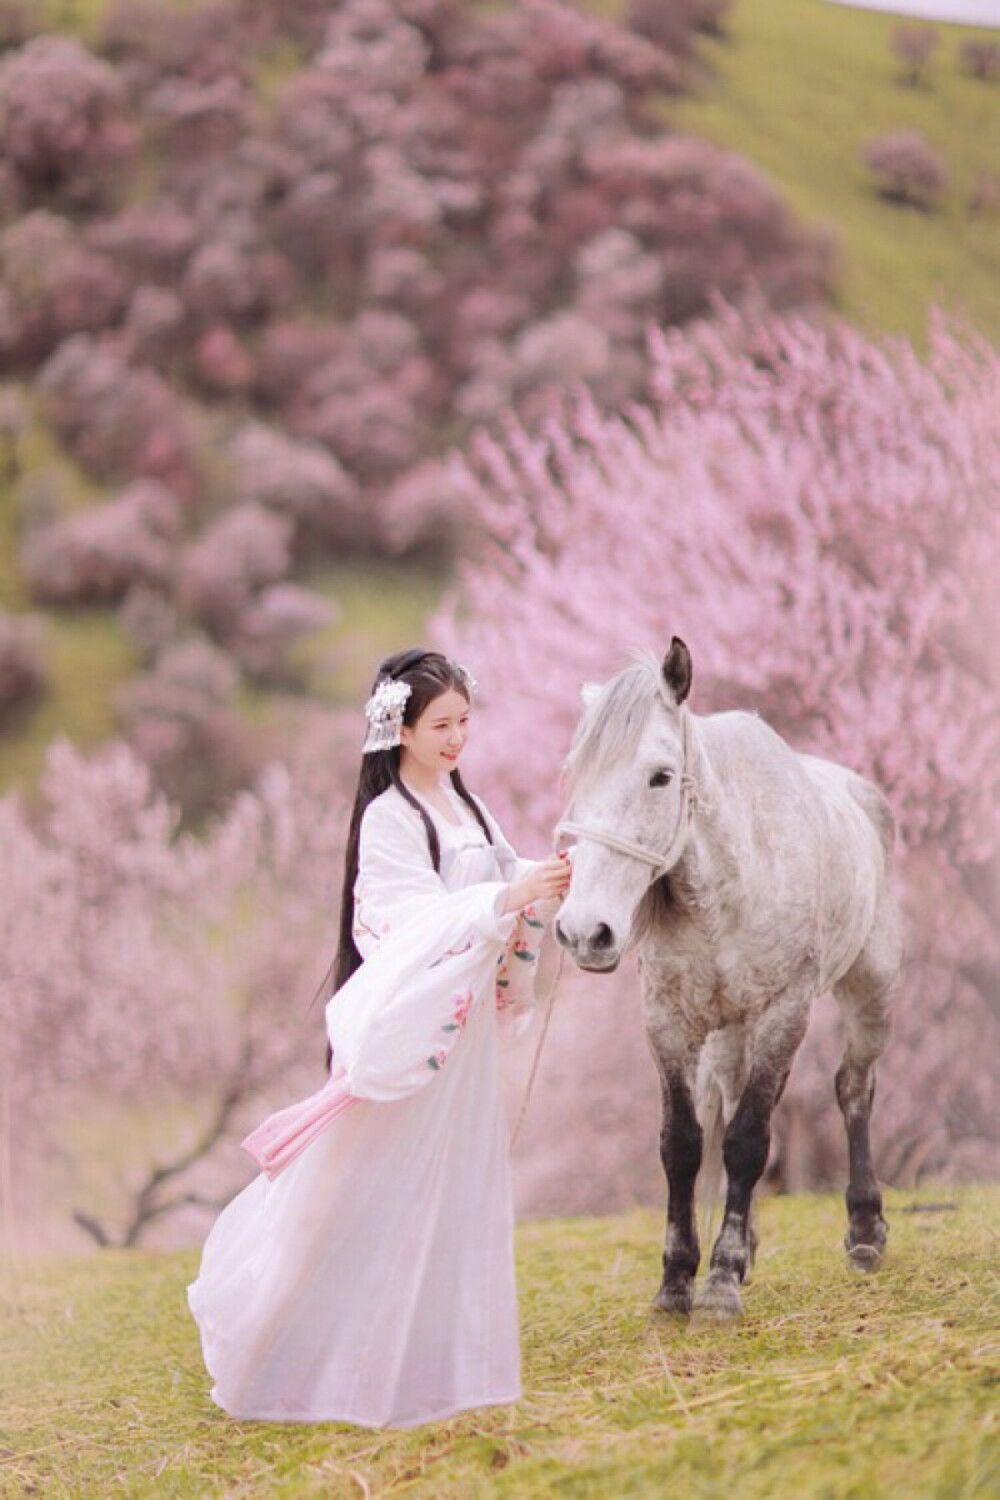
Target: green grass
[89,658]
[83,18]
[798,87]
[382,606]
[835,1386]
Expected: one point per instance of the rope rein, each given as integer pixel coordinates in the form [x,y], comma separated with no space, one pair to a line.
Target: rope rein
[546,1017]
[661,864]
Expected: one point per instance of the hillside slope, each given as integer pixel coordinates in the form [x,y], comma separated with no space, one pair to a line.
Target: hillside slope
[268,261]
[799,86]
[834,1386]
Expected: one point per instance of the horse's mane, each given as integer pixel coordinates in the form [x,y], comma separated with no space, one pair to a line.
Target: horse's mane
[613,723]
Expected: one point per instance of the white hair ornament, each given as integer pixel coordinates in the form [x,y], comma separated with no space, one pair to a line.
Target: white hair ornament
[384,712]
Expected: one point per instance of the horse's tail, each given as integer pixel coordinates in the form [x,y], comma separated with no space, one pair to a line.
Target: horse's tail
[876,808]
[712,1173]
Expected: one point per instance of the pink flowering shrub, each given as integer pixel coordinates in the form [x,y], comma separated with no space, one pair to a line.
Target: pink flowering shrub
[232,582]
[150,39]
[181,720]
[221,363]
[52,286]
[186,966]
[288,353]
[980,58]
[271,627]
[300,480]
[813,513]
[118,421]
[191,115]
[426,507]
[245,550]
[62,124]
[908,170]
[374,225]
[151,243]
[914,47]
[674,24]
[239,283]
[95,556]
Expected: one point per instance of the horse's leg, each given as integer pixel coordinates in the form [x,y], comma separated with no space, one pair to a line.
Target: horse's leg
[680,1153]
[723,1067]
[864,996]
[745,1148]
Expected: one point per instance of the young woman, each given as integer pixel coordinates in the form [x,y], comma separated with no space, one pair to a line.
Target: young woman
[367,1274]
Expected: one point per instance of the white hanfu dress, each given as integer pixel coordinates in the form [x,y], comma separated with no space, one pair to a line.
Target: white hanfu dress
[372,1282]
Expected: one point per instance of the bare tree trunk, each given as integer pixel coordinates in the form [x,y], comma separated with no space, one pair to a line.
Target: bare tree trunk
[151,1201]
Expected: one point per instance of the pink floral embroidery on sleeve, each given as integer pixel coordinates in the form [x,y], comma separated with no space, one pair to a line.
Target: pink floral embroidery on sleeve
[362,928]
[460,1008]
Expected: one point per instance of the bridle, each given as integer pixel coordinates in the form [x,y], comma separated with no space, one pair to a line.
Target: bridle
[663,862]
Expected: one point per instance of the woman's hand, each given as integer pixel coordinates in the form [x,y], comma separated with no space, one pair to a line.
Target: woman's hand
[548,881]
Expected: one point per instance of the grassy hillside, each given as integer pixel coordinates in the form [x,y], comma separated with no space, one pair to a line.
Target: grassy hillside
[833,1387]
[799,86]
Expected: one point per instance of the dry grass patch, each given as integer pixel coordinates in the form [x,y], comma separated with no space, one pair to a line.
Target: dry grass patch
[834,1386]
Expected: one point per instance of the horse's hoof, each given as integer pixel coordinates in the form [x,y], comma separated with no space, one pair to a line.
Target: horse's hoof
[865,1244]
[718,1302]
[864,1257]
[675,1300]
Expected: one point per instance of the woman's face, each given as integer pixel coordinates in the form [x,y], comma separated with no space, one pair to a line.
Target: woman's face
[436,740]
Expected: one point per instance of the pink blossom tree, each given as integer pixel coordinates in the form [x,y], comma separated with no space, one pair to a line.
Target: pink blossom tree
[815,514]
[95,556]
[913,48]
[907,168]
[980,57]
[140,964]
[62,120]
[298,479]
[52,285]
[118,421]
[232,581]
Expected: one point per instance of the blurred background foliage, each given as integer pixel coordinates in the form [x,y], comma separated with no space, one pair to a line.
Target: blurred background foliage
[269,268]
[336,239]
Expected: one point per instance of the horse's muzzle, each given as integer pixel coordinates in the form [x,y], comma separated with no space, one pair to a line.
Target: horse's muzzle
[596,951]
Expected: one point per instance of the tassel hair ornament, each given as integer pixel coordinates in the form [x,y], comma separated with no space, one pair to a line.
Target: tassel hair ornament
[384,712]
[387,705]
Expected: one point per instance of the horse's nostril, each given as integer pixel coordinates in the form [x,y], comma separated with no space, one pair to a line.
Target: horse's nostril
[602,937]
[560,935]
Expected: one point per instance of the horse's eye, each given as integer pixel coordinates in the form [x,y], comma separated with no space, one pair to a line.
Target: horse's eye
[661,778]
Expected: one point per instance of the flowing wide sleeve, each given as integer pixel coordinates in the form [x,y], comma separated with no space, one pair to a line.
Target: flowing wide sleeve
[517,972]
[430,956]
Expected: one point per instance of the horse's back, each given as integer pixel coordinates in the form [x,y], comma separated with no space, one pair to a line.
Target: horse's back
[838,782]
[820,840]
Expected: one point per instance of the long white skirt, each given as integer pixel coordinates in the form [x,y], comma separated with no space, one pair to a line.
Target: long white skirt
[373,1281]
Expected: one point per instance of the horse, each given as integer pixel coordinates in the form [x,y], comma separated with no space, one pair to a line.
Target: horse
[751,878]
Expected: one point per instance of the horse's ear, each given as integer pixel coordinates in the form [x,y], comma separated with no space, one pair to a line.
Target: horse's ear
[589,692]
[677,669]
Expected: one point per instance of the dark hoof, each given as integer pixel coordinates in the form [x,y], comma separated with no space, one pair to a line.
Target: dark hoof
[718,1302]
[865,1245]
[675,1300]
[864,1257]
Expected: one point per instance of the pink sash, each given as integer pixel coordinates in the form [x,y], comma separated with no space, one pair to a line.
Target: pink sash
[279,1139]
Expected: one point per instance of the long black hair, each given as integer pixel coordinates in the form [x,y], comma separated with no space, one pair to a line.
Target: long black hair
[429,674]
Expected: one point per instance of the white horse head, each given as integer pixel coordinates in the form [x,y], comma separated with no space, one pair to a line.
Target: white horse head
[630,802]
